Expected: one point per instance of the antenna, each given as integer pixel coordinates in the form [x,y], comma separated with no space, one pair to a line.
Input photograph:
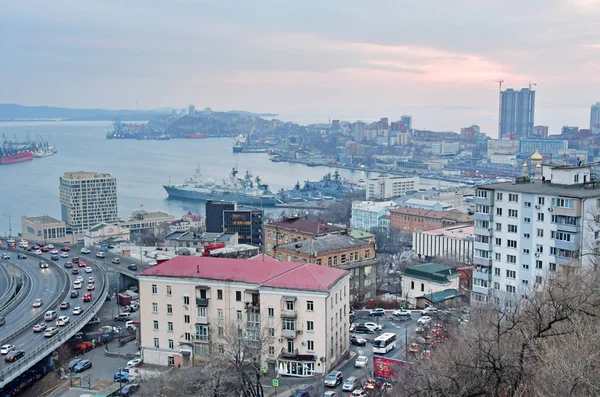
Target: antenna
[499,81]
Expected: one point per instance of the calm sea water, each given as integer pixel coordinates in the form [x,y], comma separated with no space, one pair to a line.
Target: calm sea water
[141,168]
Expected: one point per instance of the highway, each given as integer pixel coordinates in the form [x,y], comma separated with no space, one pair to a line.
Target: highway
[48,284]
[4,279]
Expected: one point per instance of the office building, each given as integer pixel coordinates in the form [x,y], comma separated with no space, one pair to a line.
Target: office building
[248,224]
[517,110]
[409,220]
[454,243]
[528,146]
[295,229]
[214,214]
[445,148]
[595,118]
[368,215]
[386,187]
[44,228]
[87,199]
[407,121]
[527,230]
[297,312]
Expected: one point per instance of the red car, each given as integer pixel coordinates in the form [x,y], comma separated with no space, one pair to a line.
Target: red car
[45,249]
[87,297]
[66,249]
[68,265]
[82,264]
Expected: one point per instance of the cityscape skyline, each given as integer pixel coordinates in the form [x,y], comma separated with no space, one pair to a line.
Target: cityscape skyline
[310,67]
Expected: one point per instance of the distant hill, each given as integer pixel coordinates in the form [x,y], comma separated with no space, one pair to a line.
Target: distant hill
[13,111]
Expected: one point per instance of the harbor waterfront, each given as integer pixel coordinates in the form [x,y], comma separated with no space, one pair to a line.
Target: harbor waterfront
[141,168]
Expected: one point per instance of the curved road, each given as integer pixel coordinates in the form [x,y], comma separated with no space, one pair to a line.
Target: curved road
[4,278]
[45,285]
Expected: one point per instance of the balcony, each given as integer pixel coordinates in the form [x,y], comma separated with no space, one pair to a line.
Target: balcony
[482,246]
[202,338]
[288,333]
[202,320]
[288,313]
[484,200]
[252,306]
[565,261]
[567,228]
[482,261]
[480,290]
[287,354]
[202,302]
[483,217]
[484,231]
[483,273]
[567,245]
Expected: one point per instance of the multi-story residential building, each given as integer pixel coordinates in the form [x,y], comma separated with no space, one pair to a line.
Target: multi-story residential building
[248,224]
[540,131]
[44,228]
[87,199]
[409,220]
[528,146]
[334,250]
[595,118]
[453,243]
[386,187]
[297,312]
[407,121]
[294,229]
[517,110]
[527,230]
[432,282]
[214,214]
[445,148]
[367,215]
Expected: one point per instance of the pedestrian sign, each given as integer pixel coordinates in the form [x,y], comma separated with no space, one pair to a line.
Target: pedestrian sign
[275,382]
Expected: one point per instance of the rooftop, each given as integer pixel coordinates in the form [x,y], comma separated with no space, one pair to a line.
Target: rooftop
[302,225]
[433,272]
[372,206]
[361,234]
[42,220]
[146,215]
[425,203]
[258,270]
[86,175]
[441,296]
[545,188]
[98,227]
[454,215]
[327,243]
[199,237]
[459,231]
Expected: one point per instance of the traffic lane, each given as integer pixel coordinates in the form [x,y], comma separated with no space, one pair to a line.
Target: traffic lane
[4,277]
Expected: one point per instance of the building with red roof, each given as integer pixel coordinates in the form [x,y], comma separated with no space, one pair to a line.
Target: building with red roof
[188,304]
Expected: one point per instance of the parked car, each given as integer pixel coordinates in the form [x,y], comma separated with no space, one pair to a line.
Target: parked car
[49,332]
[377,312]
[402,314]
[5,256]
[73,363]
[94,321]
[39,327]
[362,329]
[357,340]
[350,384]
[428,311]
[123,317]
[374,326]
[134,362]
[361,361]
[14,356]
[82,366]
[359,393]
[334,378]
[121,376]
[331,393]
[129,389]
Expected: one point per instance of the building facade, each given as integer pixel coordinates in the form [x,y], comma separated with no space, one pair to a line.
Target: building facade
[445,148]
[427,204]
[198,309]
[527,230]
[295,229]
[367,215]
[595,118]
[101,232]
[248,224]
[419,281]
[517,110]
[454,243]
[142,220]
[386,187]
[528,146]
[409,220]
[214,214]
[44,228]
[87,199]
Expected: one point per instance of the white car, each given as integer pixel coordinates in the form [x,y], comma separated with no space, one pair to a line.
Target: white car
[361,362]
[373,326]
[77,310]
[359,393]
[85,251]
[77,285]
[38,252]
[424,320]
[5,256]
[62,321]
[5,349]
[100,255]
[64,255]
[428,310]
[51,246]
[90,280]
[79,278]
[134,363]
[88,269]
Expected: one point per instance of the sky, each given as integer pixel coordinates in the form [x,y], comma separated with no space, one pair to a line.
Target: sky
[308,61]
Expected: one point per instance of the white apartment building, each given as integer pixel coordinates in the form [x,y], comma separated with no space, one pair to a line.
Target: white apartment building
[386,187]
[87,199]
[445,148]
[528,229]
[188,304]
[453,243]
[367,215]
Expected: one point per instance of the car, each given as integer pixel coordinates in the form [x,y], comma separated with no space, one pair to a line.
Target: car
[94,321]
[38,252]
[108,328]
[66,248]
[11,240]
[376,312]
[51,246]
[85,251]
[45,249]
[129,324]
[129,389]
[14,356]
[350,384]
[49,332]
[79,278]
[333,379]
[302,393]
[357,340]
[39,327]
[82,366]
[88,269]
[132,267]
[134,362]
[68,265]
[77,310]
[428,311]
[43,265]
[370,384]
[374,326]
[424,320]
[87,297]
[73,363]
[361,362]
[116,261]
[121,376]
[64,306]
[100,255]
[123,317]
[402,314]
[54,252]
[77,285]
[91,287]
[330,393]
[64,255]
[81,264]
[62,321]
[38,302]
[21,256]
[359,393]
[363,329]
[5,256]
[2,320]
[50,315]
[91,279]
[76,259]
[75,271]
[5,349]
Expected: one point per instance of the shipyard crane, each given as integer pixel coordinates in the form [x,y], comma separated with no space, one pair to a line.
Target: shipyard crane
[532,84]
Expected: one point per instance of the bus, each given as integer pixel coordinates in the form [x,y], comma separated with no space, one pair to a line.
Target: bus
[384,343]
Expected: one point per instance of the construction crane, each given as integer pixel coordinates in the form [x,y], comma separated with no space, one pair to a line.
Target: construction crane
[499,81]
[531,84]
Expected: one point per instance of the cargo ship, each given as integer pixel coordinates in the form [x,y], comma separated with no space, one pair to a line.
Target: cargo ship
[15,156]
[240,144]
[244,191]
[196,136]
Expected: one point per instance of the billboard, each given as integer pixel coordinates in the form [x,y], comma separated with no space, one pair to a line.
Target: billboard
[388,368]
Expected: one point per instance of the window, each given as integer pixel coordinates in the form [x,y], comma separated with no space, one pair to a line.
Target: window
[563,203]
[222,349]
[499,211]
[310,306]
[156,344]
[539,248]
[186,319]
[562,236]
[526,220]
[335,260]
[511,274]
[496,285]
[513,213]
[329,261]
[155,325]
[552,266]
[498,256]
[310,326]
[527,204]
[526,251]
[318,263]
[576,178]
[290,346]
[512,228]
[526,235]
[481,193]
[510,289]
[540,232]
[343,258]
[186,300]
[367,254]
[221,331]
[201,311]
[171,359]
[239,315]
[498,241]
[289,305]
[169,308]
[271,350]
[188,336]
[154,307]
[412,285]
[170,326]
[540,216]
[169,290]
[511,259]
[271,331]
[525,266]
[499,196]
[220,294]
[310,345]
[288,324]
[154,289]
[511,243]
[514,198]
[498,227]
[422,287]
[525,282]
[497,271]
[238,296]
[220,313]
[539,264]
[541,201]
[271,312]
[538,279]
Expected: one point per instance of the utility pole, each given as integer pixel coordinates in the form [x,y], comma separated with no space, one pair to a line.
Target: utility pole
[500,81]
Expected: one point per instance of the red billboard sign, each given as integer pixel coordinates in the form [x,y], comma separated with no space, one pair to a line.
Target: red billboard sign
[388,368]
